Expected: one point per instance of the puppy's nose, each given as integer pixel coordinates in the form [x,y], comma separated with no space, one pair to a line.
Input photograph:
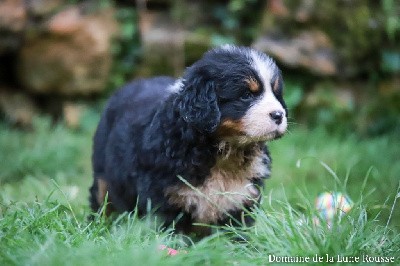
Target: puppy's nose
[277,116]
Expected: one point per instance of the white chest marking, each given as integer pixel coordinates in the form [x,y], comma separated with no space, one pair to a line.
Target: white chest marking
[228,187]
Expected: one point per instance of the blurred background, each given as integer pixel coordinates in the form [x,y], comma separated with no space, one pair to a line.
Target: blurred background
[61,59]
[340,59]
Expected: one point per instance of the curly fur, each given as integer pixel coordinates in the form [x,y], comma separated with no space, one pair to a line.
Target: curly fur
[188,146]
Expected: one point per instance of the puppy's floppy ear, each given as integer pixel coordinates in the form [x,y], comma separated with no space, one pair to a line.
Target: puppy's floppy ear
[199,104]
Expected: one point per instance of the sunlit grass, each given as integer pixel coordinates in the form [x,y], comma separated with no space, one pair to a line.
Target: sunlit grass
[45,175]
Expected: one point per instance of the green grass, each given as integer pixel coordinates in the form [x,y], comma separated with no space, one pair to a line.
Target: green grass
[45,175]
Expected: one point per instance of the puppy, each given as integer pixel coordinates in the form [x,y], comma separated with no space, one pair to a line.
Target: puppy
[194,148]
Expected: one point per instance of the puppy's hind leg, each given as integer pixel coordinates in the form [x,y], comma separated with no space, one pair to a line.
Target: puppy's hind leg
[100,188]
[99,197]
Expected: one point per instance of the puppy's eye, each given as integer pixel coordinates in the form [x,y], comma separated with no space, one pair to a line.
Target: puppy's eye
[247,94]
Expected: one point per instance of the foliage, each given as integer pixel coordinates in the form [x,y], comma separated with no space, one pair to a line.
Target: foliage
[294,94]
[392,22]
[230,17]
[390,58]
[126,48]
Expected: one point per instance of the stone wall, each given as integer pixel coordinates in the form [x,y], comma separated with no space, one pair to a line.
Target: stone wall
[49,47]
[340,59]
[347,53]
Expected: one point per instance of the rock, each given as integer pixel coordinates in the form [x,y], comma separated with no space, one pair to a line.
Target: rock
[357,33]
[390,88]
[17,107]
[73,57]
[13,19]
[72,114]
[163,44]
[12,15]
[310,49]
[44,7]
[277,8]
[66,22]
[305,11]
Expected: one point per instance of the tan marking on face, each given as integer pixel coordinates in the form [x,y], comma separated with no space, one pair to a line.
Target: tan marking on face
[254,86]
[257,121]
[227,188]
[101,190]
[230,128]
[276,85]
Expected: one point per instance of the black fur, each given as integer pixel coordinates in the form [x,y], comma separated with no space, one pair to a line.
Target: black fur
[149,135]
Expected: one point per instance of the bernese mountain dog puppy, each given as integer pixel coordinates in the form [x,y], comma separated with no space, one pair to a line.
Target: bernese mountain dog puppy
[194,148]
